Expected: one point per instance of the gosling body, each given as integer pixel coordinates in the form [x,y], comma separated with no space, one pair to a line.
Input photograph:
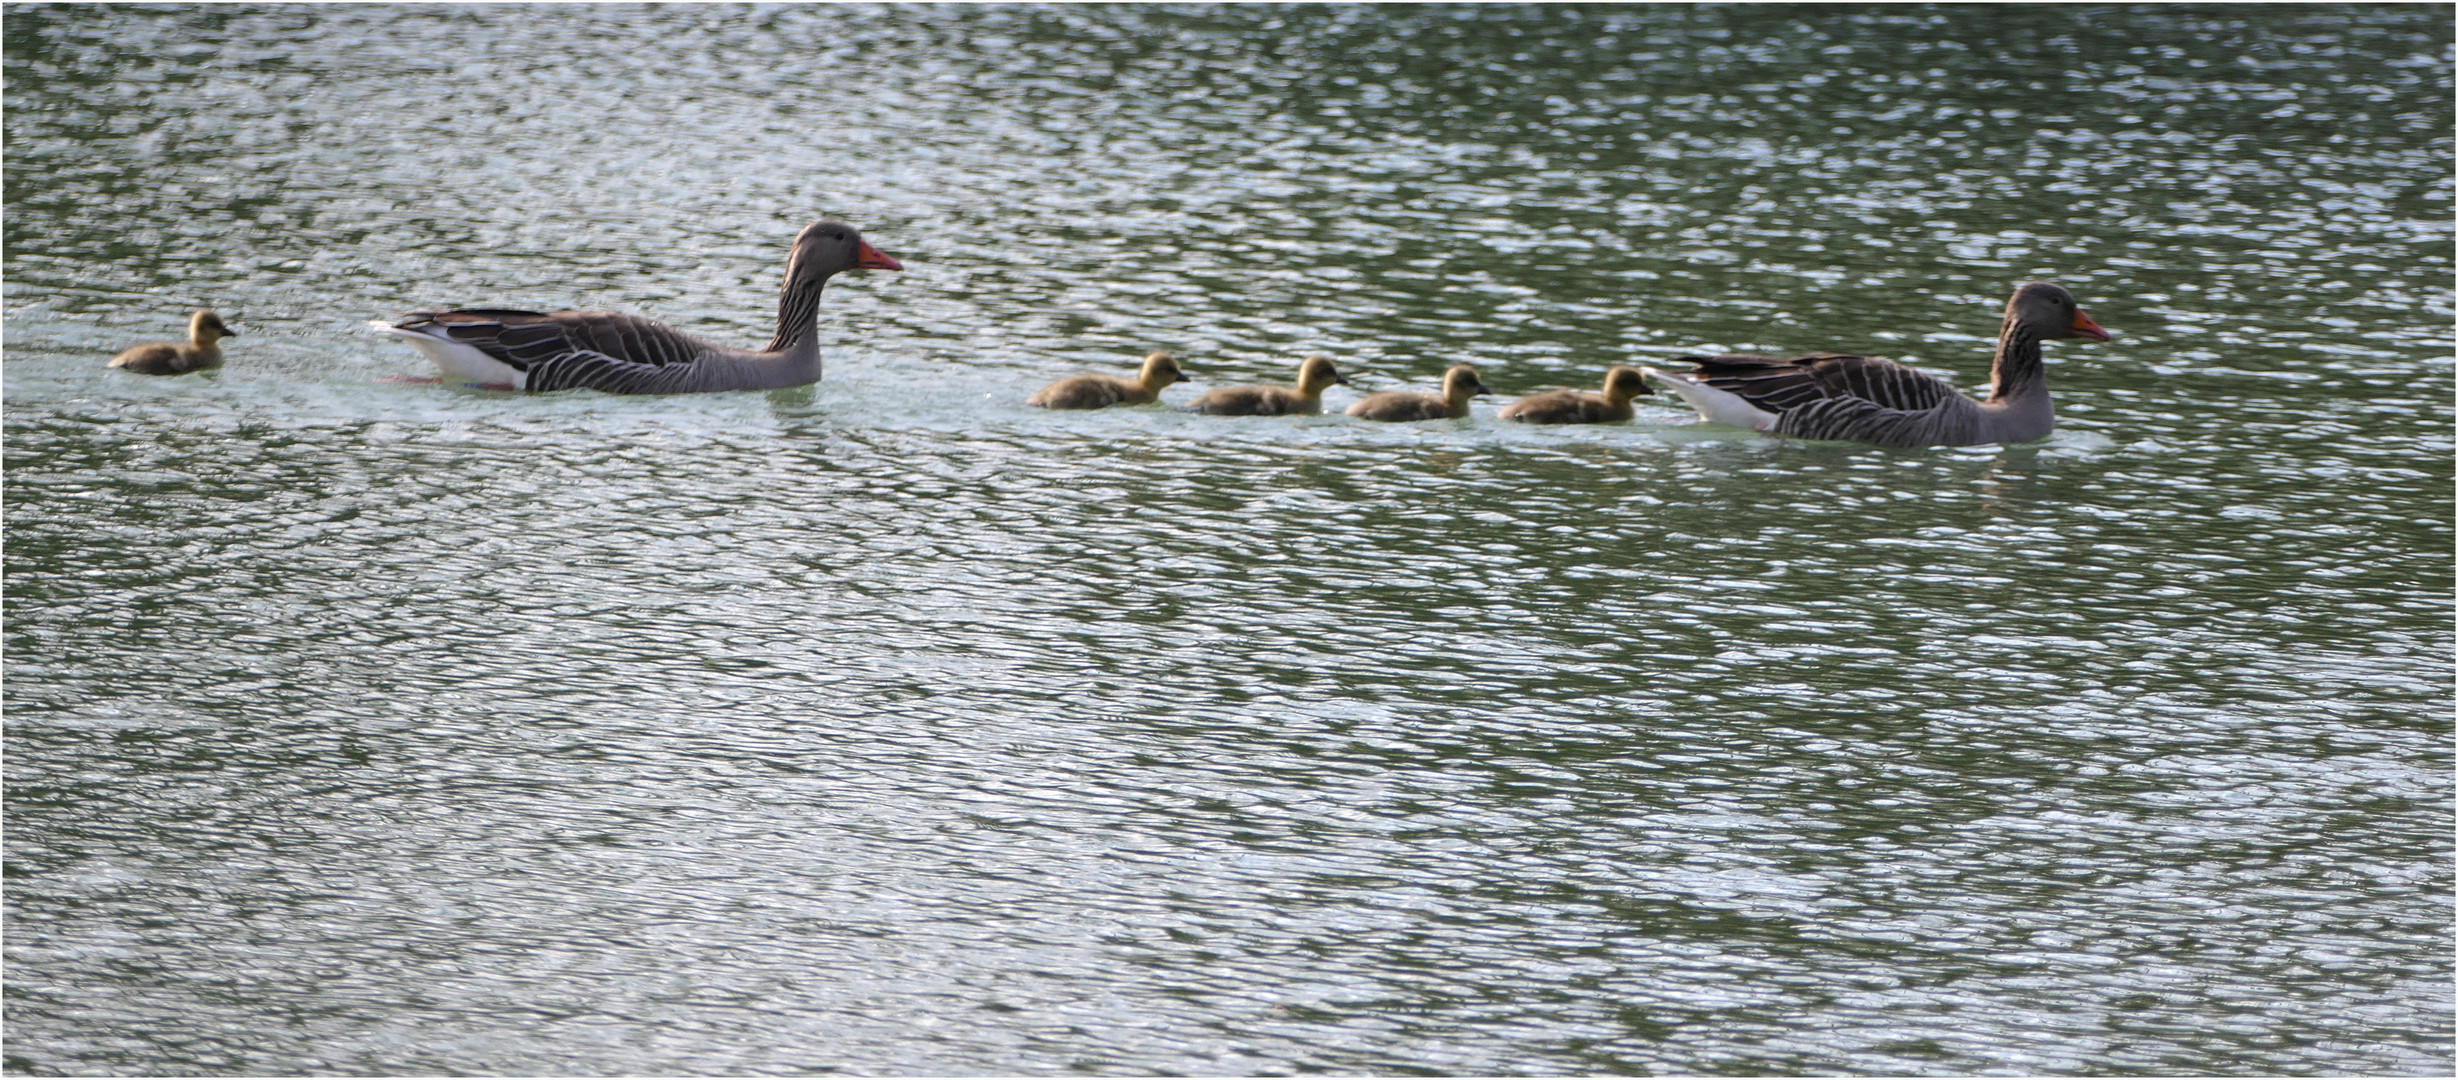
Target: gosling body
[202,350]
[1458,386]
[1102,391]
[1580,407]
[1314,376]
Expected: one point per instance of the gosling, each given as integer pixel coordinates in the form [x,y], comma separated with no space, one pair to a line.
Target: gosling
[1102,391]
[202,350]
[1313,376]
[1580,407]
[1458,385]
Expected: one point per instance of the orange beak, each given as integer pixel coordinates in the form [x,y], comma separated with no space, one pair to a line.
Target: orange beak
[2085,328]
[872,258]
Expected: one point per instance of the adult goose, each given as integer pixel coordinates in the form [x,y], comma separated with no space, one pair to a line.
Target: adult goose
[202,350]
[1102,391]
[626,354]
[1864,399]
[1315,375]
[1579,407]
[1458,385]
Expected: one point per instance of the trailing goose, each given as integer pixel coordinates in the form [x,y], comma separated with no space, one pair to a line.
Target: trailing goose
[1579,407]
[1314,375]
[626,354]
[202,350]
[1101,391]
[1458,385]
[1864,399]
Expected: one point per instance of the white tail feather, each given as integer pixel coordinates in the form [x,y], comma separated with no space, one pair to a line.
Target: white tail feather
[1720,406]
[458,362]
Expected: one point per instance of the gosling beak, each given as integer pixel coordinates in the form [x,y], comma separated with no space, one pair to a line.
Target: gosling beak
[871,258]
[2085,328]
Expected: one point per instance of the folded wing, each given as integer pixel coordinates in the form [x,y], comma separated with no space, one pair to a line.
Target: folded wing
[1781,385]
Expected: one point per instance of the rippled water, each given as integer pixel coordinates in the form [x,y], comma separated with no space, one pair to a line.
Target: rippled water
[363,725]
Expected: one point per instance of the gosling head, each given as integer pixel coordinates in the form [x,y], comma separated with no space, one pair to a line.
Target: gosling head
[1161,369]
[1623,383]
[2051,312]
[1461,383]
[205,327]
[1316,374]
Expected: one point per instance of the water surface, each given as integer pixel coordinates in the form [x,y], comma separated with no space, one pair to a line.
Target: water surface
[359,725]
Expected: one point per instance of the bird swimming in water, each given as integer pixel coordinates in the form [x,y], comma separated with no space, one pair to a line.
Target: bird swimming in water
[1101,391]
[1458,385]
[202,350]
[1580,407]
[1314,375]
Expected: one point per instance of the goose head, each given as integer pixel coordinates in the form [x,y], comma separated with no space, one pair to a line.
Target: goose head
[1161,369]
[826,247]
[1316,374]
[1461,383]
[2052,312]
[205,327]
[1623,383]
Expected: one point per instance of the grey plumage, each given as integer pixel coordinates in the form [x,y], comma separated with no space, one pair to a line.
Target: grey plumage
[1865,399]
[627,354]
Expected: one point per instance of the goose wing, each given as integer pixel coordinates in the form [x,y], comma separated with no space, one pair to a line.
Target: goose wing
[522,340]
[560,350]
[1781,385]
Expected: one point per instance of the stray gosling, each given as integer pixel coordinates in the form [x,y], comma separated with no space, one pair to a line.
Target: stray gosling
[201,351]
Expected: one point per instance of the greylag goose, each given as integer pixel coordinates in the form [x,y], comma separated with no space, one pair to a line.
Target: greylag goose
[1314,376]
[1865,399]
[1458,385]
[626,354]
[1579,407]
[202,350]
[1101,391]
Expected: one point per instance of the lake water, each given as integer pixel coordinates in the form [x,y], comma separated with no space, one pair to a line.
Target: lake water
[363,725]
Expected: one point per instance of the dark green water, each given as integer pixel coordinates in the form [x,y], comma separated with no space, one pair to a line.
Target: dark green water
[357,725]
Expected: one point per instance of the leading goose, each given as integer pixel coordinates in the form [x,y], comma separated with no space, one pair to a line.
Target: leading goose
[1864,399]
[201,351]
[626,354]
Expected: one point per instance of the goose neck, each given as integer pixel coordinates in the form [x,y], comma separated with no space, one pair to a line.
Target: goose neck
[797,315]
[2019,370]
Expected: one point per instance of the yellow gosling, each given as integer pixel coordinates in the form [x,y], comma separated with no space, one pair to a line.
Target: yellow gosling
[1580,407]
[202,350]
[1314,376]
[1102,391]
[1458,385]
